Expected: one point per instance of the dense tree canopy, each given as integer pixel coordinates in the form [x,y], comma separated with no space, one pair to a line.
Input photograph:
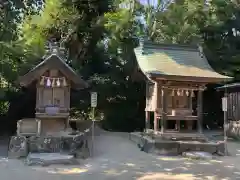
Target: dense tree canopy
[99,37]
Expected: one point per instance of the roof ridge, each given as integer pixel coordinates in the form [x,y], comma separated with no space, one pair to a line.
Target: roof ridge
[153,45]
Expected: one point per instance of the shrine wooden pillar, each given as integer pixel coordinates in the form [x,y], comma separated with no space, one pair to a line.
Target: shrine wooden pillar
[200,110]
[147,120]
[156,122]
[156,112]
[164,95]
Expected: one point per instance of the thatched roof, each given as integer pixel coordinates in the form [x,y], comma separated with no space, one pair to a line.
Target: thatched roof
[53,60]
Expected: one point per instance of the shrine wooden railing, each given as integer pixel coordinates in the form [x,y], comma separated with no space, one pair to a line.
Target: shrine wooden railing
[178,114]
[57,109]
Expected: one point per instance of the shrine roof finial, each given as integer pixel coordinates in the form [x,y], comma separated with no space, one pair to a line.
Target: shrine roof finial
[54,47]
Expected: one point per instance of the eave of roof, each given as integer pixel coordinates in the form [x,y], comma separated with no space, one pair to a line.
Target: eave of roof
[232,85]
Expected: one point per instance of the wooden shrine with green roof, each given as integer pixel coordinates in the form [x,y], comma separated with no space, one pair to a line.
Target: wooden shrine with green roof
[175,74]
[53,79]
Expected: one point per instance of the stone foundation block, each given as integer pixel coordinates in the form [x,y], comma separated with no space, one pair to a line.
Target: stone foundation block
[233,129]
[167,147]
[18,147]
[197,146]
[44,144]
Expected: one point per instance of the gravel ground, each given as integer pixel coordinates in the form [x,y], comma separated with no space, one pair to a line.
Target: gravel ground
[116,158]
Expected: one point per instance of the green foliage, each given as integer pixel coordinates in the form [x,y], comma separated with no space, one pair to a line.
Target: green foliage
[100,37]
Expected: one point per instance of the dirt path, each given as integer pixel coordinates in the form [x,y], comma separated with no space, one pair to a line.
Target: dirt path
[116,158]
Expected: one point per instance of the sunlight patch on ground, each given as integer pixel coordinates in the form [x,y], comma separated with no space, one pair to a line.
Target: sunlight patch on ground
[4,160]
[169,176]
[205,163]
[188,163]
[212,178]
[238,173]
[165,176]
[182,168]
[130,164]
[167,169]
[229,166]
[215,161]
[73,170]
[114,172]
[67,171]
[171,158]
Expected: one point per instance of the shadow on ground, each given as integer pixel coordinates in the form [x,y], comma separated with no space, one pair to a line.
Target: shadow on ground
[115,157]
[4,140]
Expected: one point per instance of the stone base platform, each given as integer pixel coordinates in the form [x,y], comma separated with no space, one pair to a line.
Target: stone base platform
[68,143]
[233,129]
[46,159]
[177,136]
[164,146]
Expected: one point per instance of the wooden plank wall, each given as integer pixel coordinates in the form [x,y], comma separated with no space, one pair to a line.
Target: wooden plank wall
[151,92]
[234,106]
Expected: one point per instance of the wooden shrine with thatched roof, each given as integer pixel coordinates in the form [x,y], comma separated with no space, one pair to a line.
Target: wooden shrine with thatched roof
[175,75]
[53,79]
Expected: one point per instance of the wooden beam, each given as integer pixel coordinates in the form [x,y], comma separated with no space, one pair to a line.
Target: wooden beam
[195,79]
[181,84]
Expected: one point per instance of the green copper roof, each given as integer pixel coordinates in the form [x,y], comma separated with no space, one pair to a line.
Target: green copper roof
[174,60]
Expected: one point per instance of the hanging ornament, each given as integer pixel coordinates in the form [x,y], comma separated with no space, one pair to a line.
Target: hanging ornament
[48,82]
[42,80]
[58,83]
[187,92]
[53,82]
[162,92]
[178,92]
[182,92]
[192,93]
[64,82]
[173,93]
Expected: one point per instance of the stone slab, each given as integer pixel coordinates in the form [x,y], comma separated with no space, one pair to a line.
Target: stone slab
[46,159]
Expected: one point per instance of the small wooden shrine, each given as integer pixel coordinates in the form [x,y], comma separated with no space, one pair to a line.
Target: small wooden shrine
[232,92]
[53,79]
[175,75]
